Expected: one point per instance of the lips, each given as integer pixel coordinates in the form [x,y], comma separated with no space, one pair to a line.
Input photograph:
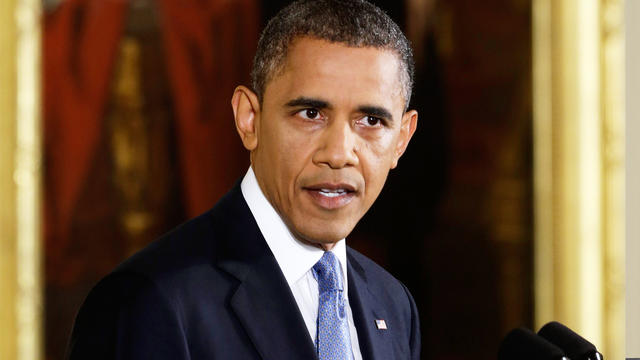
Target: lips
[331,196]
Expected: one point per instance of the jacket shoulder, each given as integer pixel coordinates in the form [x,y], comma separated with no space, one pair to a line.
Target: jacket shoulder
[377,274]
[190,244]
[195,245]
[395,296]
[382,284]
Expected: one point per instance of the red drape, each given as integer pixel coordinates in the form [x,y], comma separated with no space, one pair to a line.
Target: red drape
[209,46]
[80,43]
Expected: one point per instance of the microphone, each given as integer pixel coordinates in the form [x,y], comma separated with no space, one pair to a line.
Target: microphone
[524,344]
[575,346]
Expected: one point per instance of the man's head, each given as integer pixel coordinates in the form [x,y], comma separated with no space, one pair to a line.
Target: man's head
[328,120]
[356,23]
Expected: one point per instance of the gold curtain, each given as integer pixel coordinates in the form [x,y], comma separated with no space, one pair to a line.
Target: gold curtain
[20,169]
[579,168]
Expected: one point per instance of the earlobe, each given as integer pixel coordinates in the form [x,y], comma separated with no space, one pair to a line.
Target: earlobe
[246,111]
[407,129]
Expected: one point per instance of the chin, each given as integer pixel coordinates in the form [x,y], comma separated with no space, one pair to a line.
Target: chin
[325,234]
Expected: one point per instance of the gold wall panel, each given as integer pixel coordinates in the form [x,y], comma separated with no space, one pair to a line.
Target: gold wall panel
[20,174]
[632,174]
[8,231]
[578,164]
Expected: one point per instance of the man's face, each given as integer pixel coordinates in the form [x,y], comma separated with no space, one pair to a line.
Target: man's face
[331,126]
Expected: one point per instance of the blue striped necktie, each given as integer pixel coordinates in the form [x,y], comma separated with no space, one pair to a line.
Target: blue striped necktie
[332,341]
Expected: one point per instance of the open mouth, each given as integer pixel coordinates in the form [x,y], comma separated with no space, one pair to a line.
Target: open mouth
[331,196]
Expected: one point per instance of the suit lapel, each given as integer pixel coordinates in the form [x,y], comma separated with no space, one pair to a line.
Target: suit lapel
[269,314]
[374,343]
[262,301]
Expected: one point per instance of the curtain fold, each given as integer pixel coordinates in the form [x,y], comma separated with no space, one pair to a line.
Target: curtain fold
[80,42]
[209,46]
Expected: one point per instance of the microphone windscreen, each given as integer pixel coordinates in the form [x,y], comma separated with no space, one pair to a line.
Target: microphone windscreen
[524,344]
[574,345]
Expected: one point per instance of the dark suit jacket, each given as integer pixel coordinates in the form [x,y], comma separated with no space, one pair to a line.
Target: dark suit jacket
[212,289]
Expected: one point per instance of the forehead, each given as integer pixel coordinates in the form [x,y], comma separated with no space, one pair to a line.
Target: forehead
[339,73]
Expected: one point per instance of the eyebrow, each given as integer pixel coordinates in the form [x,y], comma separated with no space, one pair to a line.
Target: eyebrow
[376,111]
[308,102]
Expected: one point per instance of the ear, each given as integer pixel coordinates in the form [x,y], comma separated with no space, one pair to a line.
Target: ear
[407,128]
[246,111]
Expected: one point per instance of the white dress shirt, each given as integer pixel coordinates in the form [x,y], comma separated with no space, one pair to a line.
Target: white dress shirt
[296,259]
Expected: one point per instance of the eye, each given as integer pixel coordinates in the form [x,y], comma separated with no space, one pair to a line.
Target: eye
[371,121]
[309,114]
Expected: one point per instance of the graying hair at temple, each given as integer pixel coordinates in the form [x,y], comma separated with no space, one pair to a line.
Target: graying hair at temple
[356,23]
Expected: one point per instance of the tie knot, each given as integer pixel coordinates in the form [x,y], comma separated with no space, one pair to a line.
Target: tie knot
[328,273]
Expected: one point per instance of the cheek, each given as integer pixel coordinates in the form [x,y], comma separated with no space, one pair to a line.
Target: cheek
[289,155]
[293,149]
[380,151]
[276,139]
[377,157]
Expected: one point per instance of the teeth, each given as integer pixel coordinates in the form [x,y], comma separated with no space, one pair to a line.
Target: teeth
[332,193]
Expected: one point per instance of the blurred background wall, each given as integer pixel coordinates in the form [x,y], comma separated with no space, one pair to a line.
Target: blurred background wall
[510,196]
[632,19]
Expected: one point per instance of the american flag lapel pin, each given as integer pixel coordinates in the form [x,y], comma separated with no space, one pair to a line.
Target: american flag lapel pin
[381,324]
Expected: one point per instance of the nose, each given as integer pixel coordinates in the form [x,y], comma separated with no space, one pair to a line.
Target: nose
[338,148]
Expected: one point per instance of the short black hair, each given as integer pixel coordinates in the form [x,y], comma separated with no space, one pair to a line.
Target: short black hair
[356,23]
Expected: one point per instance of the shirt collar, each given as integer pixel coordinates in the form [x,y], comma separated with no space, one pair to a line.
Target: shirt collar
[294,257]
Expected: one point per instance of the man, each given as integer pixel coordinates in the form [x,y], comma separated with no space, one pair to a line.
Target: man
[266,273]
